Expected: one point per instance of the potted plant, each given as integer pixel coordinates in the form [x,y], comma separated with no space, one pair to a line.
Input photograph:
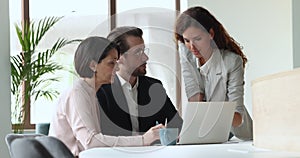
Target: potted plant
[30,67]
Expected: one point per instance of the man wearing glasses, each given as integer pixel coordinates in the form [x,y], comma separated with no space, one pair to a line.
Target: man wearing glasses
[134,103]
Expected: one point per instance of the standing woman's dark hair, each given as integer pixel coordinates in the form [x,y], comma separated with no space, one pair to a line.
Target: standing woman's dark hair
[200,17]
[91,49]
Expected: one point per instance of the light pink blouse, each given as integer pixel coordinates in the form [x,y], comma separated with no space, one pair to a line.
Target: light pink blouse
[76,121]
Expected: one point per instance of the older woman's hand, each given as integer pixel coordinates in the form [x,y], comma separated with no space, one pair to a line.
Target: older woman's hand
[152,134]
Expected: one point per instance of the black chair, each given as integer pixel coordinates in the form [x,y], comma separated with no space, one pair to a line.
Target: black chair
[42,128]
[28,148]
[56,147]
[36,146]
[9,138]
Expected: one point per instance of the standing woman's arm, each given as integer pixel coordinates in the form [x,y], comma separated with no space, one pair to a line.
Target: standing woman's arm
[242,123]
[194,87]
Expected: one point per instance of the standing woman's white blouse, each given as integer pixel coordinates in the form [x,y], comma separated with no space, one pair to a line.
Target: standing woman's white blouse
[76,121]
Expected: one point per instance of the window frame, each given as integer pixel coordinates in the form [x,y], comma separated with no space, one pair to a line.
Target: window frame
[112,5]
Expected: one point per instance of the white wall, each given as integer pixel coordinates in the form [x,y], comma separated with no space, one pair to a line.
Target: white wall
[5,126]
[263,28]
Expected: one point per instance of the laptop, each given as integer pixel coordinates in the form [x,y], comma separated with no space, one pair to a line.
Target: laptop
[207,122]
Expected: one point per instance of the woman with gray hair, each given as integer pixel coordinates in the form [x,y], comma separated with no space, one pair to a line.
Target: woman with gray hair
[76,118]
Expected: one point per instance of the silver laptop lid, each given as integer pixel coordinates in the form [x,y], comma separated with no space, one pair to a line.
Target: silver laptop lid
[207,122]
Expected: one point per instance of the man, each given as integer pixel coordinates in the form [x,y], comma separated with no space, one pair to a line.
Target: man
[134,102]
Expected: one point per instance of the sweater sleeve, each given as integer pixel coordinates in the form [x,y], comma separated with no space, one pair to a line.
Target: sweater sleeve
[83,116]
[235,93]
[190,73]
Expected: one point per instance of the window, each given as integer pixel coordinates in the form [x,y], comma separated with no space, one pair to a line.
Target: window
[77,23]
[90,17]
[156,18]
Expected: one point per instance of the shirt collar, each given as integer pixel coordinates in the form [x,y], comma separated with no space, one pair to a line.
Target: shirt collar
[204,69]
[125,83]
[91,90]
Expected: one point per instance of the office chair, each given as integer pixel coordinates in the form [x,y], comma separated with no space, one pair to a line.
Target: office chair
[56,147]
[9,138]
[36,146]
[42,128]
[28,148]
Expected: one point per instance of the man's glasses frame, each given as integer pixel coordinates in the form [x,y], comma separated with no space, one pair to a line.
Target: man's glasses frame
[138,52]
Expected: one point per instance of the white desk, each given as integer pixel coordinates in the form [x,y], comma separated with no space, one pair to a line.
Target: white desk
[229,150]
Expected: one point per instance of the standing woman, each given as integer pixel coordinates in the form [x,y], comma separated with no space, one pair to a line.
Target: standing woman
[212,64]
[76,119]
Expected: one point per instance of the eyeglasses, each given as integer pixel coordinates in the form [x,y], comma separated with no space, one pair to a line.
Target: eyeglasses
[139,52]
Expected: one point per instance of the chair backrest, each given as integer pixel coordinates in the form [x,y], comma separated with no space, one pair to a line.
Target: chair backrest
[9,138]
[29,148]
[35,146]
[42,128]
[56,147]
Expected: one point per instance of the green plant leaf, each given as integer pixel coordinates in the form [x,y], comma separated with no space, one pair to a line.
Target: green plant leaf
[31,68]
